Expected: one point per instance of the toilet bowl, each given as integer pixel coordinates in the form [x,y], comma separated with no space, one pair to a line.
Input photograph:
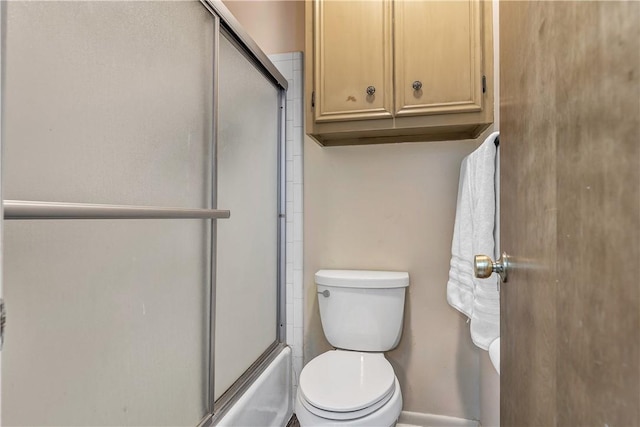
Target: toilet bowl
[354,385]
[348,388]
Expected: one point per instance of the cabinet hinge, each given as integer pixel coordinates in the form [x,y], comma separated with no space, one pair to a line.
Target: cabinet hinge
[484,84]
[313,99]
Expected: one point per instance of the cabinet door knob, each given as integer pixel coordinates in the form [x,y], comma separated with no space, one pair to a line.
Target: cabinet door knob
[371,90]
[417,85]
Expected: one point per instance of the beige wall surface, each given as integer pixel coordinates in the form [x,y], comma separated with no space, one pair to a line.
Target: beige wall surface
[489,392]
[277,26]
[392,207]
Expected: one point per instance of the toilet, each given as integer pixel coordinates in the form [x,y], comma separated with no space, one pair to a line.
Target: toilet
[354,385]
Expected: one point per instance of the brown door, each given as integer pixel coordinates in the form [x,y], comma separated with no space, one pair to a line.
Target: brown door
[570,213]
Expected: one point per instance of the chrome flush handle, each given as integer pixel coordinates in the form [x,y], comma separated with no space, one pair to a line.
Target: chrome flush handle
[325,293]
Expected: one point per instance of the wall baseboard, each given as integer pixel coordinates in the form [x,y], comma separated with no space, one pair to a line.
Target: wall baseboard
[432,420]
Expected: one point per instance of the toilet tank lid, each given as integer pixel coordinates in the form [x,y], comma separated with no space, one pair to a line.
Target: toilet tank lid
[370,279]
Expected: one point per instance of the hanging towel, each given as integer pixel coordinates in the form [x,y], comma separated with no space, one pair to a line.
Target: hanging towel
[473,234]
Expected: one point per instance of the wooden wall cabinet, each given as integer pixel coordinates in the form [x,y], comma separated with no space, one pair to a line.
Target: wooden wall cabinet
[380,71]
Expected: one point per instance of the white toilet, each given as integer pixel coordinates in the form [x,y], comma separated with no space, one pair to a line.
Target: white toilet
[354,385]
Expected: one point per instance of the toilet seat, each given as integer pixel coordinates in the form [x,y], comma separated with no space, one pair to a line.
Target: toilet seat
[343,416]
[344,385]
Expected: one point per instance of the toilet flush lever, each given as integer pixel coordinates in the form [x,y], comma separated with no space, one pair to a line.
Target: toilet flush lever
[325,293]
[483,266]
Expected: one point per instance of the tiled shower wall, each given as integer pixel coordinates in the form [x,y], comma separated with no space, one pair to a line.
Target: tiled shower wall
[290,65]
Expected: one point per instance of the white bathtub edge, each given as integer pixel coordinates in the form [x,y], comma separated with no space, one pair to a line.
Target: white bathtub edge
[268,401]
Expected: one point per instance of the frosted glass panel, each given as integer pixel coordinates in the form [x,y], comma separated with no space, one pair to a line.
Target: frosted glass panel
[246,295]
[107,102]
[107,323]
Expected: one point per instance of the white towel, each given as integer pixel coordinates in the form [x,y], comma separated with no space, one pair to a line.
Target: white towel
[473,234]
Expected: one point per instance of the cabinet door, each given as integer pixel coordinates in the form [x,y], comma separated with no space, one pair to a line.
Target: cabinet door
[352,53]
[438,49]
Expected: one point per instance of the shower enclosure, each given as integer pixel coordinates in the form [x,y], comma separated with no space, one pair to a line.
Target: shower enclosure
[130,131]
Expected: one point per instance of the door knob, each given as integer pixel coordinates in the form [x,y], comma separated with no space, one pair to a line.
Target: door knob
[371,90]
[483,266]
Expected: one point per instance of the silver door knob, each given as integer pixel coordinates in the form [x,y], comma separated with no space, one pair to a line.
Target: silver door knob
[417,85]
[483,266]
[371,90]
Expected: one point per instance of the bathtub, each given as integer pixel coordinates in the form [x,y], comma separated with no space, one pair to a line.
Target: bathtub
[269,400]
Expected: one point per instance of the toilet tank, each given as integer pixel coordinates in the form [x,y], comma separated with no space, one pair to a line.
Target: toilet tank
[362,309]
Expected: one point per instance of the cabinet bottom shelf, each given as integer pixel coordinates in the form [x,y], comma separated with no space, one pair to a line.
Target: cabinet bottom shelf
[389,136]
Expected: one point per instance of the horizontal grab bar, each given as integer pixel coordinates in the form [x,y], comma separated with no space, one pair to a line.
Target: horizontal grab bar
[28,209]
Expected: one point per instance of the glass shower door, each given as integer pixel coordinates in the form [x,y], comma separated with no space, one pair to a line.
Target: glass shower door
[147,321]
[247,258]
[111,103]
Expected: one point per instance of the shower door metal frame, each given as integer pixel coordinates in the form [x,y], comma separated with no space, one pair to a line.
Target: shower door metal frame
[226,23]
[213,238]
[3,14]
